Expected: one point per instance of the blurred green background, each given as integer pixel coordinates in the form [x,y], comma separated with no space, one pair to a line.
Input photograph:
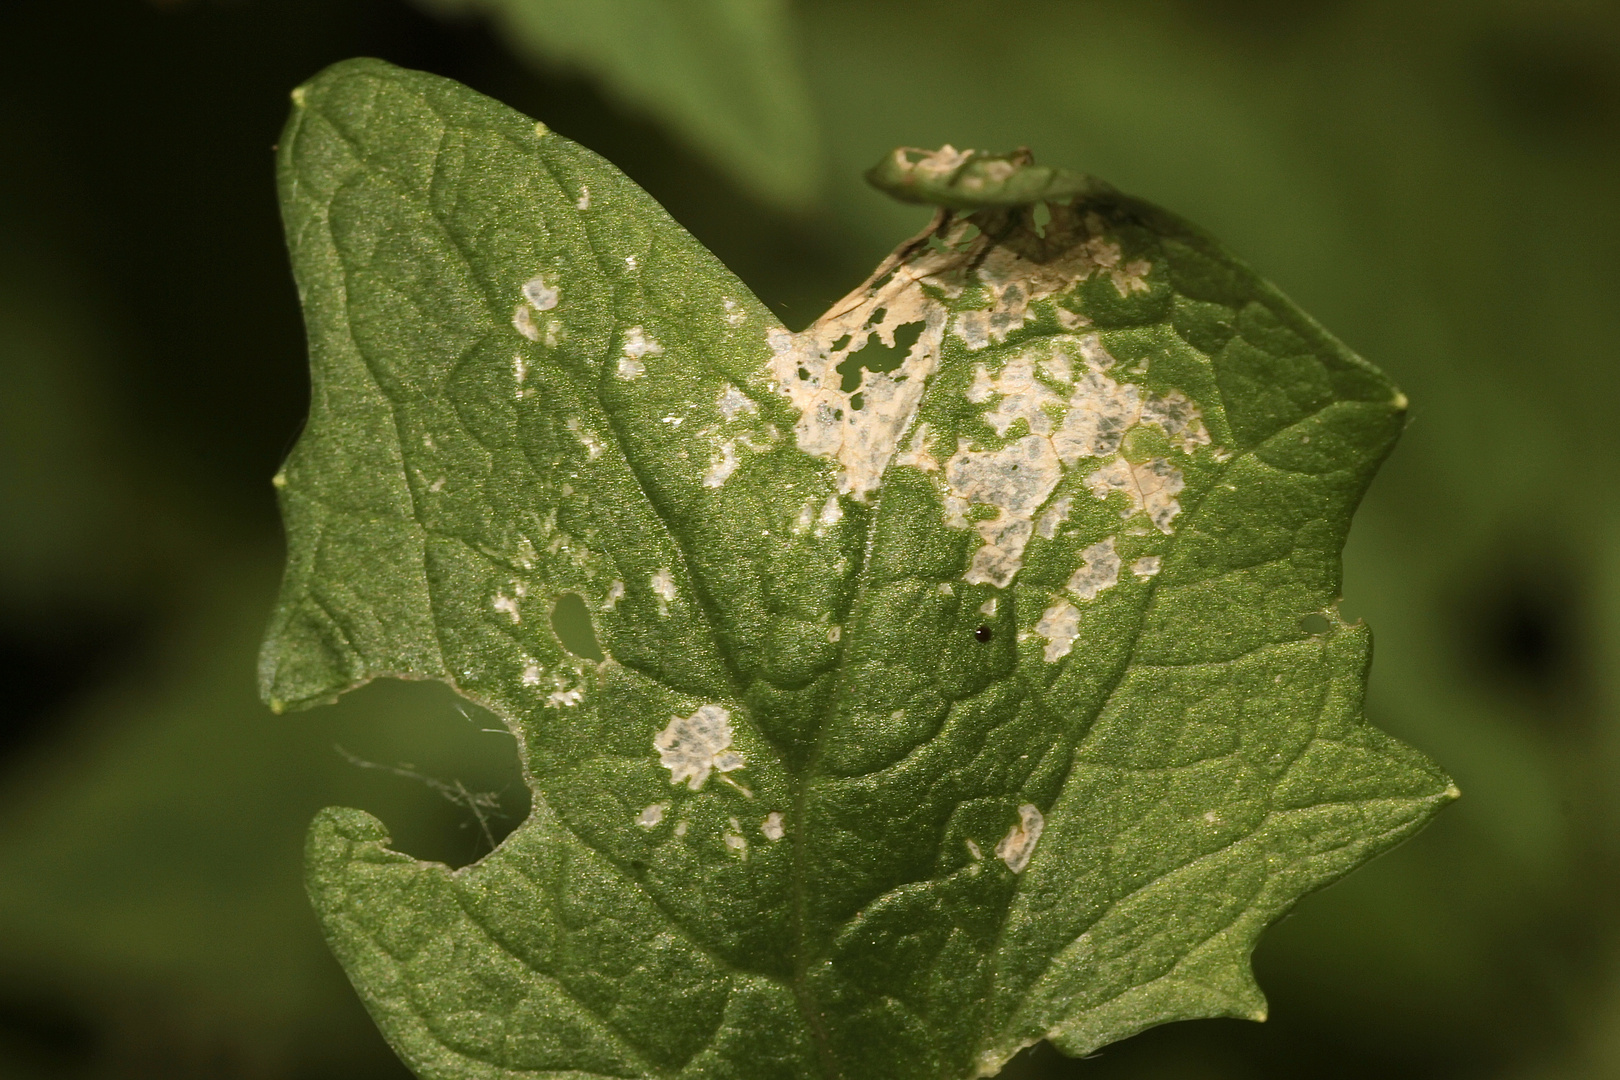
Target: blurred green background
[1436,181]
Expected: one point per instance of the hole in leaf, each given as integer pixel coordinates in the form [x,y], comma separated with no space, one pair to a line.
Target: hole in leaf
[441,772]
[877,356]
[571,622]
[1043,217]
[982,634]
[1315,623]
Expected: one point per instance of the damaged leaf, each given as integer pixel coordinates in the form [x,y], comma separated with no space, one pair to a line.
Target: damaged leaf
[971,179]
[944,687]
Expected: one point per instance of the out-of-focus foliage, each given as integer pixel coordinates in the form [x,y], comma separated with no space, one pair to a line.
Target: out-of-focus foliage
[723,74]
[1433,182]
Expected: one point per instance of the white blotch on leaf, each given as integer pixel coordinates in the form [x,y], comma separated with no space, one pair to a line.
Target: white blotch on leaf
[1150,488]
[1058,390]
[1053,516]
[1059,625]
[733,403]
[508,605]
[772,826]
[692,747]
[593,445]
[638,343]
[1018,845]
[663,584]
[916,454]
[735,315]
[1015,480]
[531,675]
[653,816]
[973,850]
[735,841]
[723,464]
[833,634]
[615,593]
[565,698]
[584,200]
[1099,570]
[541,293]
[1052,403]
[831,514]
[523,321]
[1145,567]
[988,607]
[631,369]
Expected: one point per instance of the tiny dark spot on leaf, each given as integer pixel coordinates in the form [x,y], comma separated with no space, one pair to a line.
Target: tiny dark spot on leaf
[982,634]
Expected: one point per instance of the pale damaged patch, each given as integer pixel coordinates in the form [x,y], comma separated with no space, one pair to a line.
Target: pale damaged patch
[733,403]
[508,605]
[722,465]
[1099,570]
[735,315]
[1052,517]
[1149,488]
[593,446]
[584,200]
[1145,567]
[1018,845]
[1059,625]
[1055,404]
[736,843]
[1015,480]
[631,369]
[772,827]
[637,346]
[916,454]
[692,747]
[523,321]
[653,816]
[615,593]
[1059,392]
[540,293]
[861,428]
[1017,275]
[831,514]
[663,585]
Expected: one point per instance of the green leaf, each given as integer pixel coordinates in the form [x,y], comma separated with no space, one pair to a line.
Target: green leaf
[725,75]
[945,685]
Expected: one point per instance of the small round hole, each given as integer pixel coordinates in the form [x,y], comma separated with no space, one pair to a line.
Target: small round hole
[982,634]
